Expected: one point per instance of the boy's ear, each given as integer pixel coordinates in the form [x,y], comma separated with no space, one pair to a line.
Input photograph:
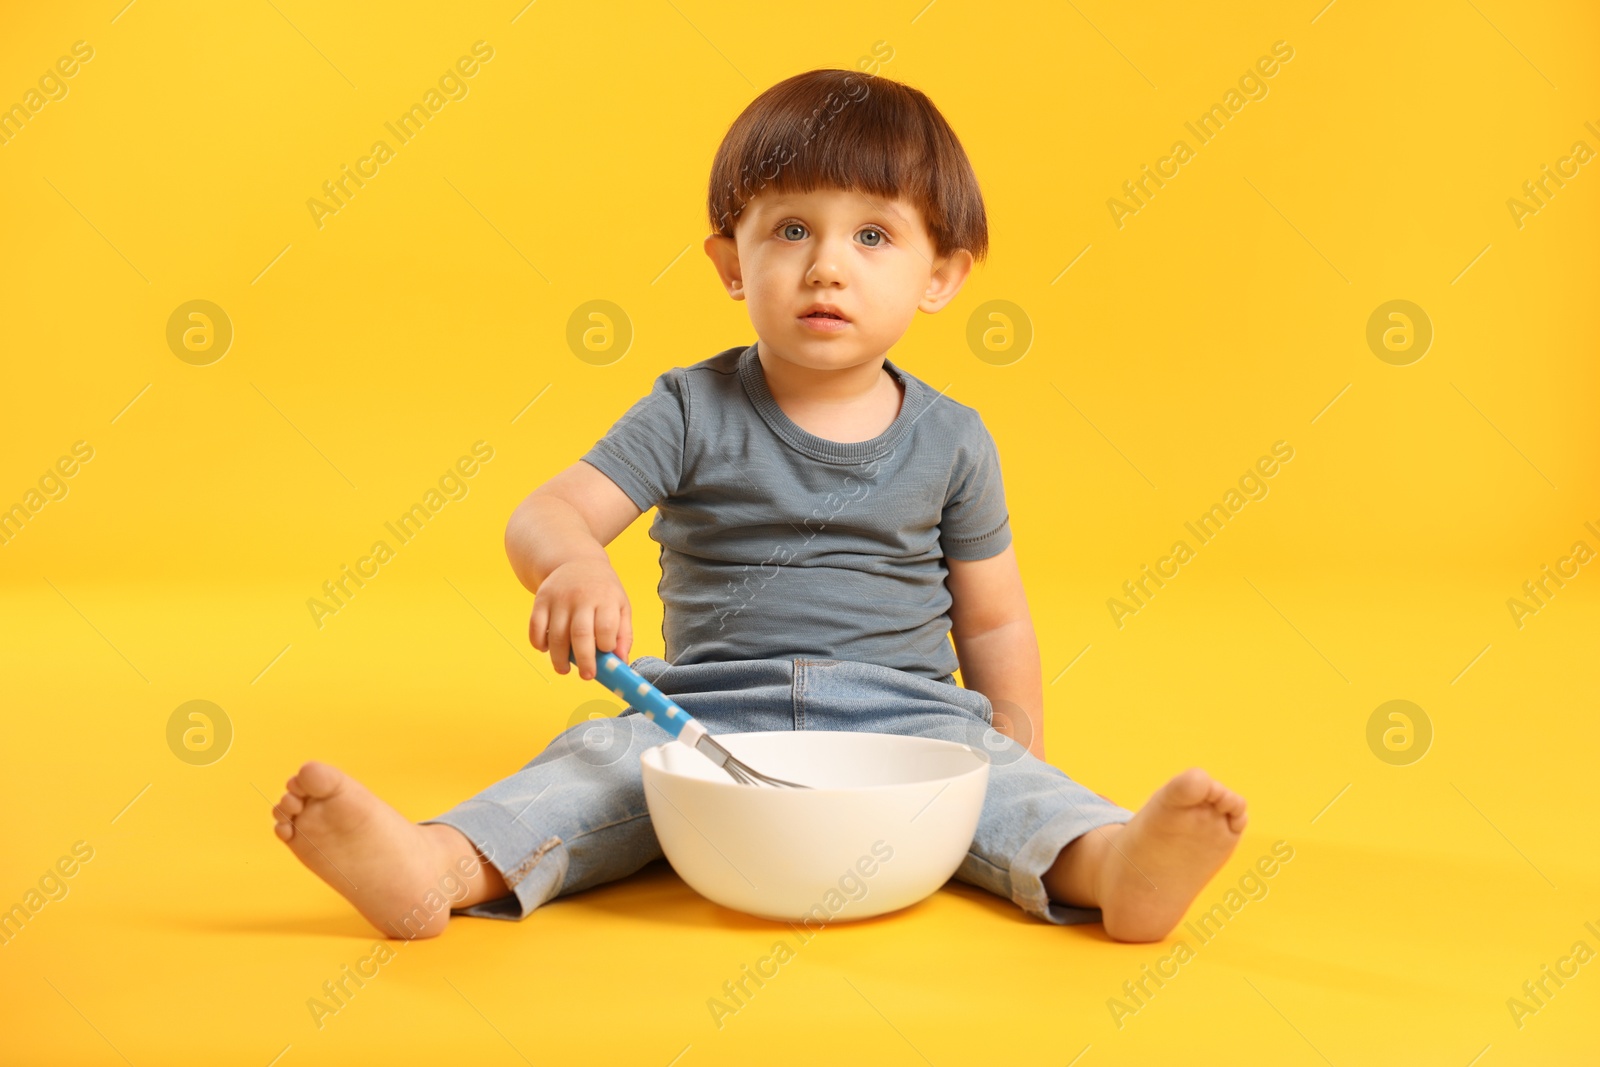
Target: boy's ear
[949,274]
[724,253]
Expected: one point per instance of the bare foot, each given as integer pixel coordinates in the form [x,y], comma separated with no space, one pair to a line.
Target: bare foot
[1151,871]
[402,877]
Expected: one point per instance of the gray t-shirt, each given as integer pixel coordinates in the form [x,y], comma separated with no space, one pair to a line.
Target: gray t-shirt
[776,543]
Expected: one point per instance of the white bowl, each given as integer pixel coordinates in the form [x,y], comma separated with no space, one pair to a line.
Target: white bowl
[888,821]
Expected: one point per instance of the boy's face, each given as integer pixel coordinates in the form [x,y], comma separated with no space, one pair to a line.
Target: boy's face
[871,260]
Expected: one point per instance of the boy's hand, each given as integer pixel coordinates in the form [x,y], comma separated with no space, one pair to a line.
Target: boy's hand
[581,606]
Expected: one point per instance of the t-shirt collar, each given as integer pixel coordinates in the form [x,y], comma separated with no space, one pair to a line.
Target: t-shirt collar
[911,406]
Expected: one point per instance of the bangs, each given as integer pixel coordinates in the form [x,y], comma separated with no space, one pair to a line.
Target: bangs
[847,130]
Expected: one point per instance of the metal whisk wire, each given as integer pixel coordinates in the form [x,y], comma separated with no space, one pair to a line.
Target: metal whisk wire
[741,772]
[656,706]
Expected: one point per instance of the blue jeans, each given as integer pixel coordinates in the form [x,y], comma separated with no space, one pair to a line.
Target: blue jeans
[575,817]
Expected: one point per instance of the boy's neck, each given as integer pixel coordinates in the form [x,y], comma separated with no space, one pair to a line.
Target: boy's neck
[792,382]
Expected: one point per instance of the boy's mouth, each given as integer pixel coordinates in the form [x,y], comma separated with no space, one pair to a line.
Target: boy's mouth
[820,314]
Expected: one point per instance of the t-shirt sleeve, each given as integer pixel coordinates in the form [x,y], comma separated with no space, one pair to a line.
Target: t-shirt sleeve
[643,450]
[975,523]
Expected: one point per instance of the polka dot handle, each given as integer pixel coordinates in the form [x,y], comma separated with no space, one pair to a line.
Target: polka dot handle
[639,694]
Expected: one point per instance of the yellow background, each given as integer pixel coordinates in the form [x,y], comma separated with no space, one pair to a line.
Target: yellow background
[426,315]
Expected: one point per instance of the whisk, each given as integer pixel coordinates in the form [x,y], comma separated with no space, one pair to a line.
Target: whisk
[656,706]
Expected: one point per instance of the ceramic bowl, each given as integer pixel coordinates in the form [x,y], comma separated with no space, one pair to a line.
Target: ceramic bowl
[888,820]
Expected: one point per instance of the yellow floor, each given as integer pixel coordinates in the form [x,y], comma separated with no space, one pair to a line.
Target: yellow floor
[343,362]
[1413,907]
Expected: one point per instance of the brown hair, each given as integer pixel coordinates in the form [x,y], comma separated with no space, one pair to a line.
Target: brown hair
[844,129]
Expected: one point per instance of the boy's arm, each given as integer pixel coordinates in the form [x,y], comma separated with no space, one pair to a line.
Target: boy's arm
[576,513]
[995,640]
[556,542]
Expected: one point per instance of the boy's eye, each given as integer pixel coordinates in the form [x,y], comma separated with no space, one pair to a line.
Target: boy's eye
[872,237]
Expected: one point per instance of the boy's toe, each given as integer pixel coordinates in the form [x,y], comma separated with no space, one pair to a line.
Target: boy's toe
[1189,788]
[318,779]
[289,805]
[1231,803]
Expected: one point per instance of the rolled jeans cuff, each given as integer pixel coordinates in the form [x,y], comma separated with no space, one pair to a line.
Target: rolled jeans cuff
[1039,854]
[534,869]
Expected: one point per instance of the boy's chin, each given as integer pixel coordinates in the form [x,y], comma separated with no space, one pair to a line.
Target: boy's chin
[826,353]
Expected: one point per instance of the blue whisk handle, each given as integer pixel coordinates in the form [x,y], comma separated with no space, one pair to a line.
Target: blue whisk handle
[639,694]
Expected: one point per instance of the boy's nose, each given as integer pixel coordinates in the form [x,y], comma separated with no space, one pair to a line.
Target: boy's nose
[825,269]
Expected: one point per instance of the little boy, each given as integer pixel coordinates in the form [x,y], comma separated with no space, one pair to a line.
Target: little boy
[828,524]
